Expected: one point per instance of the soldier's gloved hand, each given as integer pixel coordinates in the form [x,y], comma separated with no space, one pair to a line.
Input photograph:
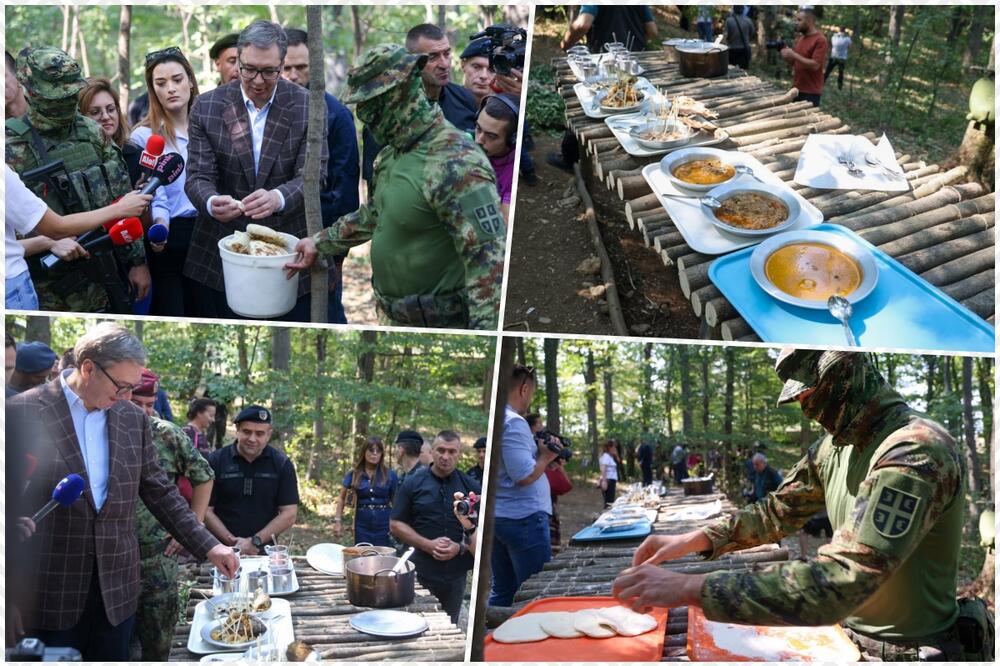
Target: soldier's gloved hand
[306,253]
[68,249]
[261,204]
[225,208]
[139,277]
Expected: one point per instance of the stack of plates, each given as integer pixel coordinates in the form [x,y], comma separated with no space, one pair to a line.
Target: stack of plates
[327,558]
[389,623]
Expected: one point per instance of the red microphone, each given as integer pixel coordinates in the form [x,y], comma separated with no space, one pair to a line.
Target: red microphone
[122,232]
[151,153]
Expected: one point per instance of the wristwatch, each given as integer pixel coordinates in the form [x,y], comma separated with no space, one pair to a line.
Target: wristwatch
[256,541]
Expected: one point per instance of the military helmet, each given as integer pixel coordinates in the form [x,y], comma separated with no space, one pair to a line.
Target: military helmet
[802,369]
[383,68]
[49,73]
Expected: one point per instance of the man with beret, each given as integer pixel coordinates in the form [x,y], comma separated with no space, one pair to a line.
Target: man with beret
[478,471]
[84,572]
[95,174]
[477,77]
[31,368]
[409,445]
[157,613]
[893,483]
[256,494]
[435,221]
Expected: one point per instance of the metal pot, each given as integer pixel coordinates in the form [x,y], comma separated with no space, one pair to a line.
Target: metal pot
[372,583]
[366,549]
[704,60]
[670,46]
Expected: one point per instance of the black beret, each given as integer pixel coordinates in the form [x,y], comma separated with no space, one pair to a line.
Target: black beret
[477,48]
[227,42]
[480,443]
[34,357]
[254,413]
[409,436]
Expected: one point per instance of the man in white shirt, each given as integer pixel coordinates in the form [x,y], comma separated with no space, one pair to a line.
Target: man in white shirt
[25,213]
[839,43]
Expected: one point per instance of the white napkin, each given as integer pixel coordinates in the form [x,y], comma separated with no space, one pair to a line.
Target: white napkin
[819,164]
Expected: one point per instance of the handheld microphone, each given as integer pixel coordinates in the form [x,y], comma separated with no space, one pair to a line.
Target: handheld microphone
[158,233]
[151,153]
[168,169]
[122,232]
[65,493]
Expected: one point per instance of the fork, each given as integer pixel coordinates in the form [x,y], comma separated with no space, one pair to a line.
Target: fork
[852,168]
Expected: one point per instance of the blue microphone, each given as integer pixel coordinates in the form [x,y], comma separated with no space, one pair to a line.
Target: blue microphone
[158,233]
[65,493]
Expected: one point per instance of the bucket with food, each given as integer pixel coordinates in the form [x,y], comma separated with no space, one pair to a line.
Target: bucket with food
[252,267]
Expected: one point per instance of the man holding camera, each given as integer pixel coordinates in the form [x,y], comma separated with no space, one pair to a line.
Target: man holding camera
[521,544]
[423,517]
[807,57]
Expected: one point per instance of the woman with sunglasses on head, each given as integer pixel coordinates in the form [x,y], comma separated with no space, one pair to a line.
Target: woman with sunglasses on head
[172,88]
[368,488]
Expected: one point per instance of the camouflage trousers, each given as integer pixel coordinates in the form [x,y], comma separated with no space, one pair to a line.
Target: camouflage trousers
[157,612]
[427,310]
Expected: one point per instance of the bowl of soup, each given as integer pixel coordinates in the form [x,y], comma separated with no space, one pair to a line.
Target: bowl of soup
[699,169]
[805,268]
[753,209]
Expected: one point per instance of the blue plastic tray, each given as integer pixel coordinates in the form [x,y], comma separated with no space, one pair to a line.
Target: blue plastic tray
[591,533]
[903,311]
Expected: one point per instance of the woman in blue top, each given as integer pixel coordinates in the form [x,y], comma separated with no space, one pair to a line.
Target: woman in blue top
[369,489]
[173,89]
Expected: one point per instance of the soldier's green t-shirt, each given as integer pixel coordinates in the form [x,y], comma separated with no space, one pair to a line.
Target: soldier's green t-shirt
[177,457]
[896,506]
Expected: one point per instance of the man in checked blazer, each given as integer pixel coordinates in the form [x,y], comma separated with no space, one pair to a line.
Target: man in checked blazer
[246,153]
[83,560]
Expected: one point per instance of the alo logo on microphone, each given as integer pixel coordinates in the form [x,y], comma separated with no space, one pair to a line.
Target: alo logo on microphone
[147,161]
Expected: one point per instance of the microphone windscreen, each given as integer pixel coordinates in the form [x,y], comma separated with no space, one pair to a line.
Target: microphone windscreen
[69,489]
[157,233]
[155,145]
[126,231]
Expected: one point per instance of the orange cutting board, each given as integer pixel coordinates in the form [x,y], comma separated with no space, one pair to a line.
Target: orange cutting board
[722,641]
[644,647]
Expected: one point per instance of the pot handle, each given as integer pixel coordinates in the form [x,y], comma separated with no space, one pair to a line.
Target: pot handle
[363,543]
[382,571]
[370,551]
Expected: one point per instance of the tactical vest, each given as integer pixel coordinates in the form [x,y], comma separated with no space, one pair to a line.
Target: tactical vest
[95,182]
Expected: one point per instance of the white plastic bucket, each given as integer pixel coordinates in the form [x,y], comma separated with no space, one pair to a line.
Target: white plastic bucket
[256,286]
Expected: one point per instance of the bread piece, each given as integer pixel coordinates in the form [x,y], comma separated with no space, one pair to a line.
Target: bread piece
[264,249]
[266,234]
[520,629]
[240,243]
[559,624]
[593,624]
[626,621]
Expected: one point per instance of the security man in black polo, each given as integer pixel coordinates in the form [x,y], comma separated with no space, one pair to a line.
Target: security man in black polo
[256,494]
[477,471]
[423,517]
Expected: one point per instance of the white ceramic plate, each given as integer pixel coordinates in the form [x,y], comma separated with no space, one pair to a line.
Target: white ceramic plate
[327,558]
[860,254]
[389,623]
[782,193]
[668,163]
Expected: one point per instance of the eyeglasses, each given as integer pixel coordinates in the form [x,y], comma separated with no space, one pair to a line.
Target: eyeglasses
[122,389]
[153,56]
[250,73]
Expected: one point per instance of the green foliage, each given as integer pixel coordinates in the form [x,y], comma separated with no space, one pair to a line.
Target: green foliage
[545,107]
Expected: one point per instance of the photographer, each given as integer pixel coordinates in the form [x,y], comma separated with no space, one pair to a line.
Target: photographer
[523,505]
[807,57]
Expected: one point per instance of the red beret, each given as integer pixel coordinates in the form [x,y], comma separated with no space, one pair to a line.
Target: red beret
[149,385]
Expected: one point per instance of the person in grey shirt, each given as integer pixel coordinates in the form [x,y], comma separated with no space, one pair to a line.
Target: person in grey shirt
[523,503]
[839,43]
[740,34]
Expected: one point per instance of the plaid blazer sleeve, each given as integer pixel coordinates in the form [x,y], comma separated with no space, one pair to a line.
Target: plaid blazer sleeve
[202,169]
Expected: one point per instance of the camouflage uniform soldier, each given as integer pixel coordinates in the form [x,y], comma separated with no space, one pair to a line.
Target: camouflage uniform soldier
[893,483]
[158,606]
[95,173]
[435,222]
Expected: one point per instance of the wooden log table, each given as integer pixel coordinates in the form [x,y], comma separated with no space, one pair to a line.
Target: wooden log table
[589,569]
[321,614]
[941,229]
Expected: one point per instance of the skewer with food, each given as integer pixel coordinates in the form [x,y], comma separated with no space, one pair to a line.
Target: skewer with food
[622,94]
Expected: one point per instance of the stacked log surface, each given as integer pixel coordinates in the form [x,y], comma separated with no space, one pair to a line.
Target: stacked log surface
[589,569]
[321,614]
[941,229]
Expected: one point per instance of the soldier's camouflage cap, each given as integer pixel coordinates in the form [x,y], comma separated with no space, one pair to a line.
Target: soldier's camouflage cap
[383,68]
[802,369]
[49,73]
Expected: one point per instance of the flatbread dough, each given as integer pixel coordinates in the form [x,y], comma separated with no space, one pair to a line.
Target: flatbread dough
[559,624]
[593,624]
[265,249]
[240,242]
[266,234]
[521,629]
[626,621]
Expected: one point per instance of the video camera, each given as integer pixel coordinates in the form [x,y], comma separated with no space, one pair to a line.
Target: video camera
[32,649]
[552,442]
[775,44]
[507,47]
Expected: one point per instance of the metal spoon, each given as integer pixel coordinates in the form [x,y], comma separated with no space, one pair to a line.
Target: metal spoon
[852,168]
[598,98]
[874,161]
[745,170]
[401,565]
[707,201]
[842,310]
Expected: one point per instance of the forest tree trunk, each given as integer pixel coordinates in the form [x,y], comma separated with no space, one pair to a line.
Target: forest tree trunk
[124,47]
[590,379]
[319,276]
[687,411]
[552,416]
[365,374]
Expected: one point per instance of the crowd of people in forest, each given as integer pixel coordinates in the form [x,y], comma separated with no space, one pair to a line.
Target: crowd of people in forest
[75,156]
